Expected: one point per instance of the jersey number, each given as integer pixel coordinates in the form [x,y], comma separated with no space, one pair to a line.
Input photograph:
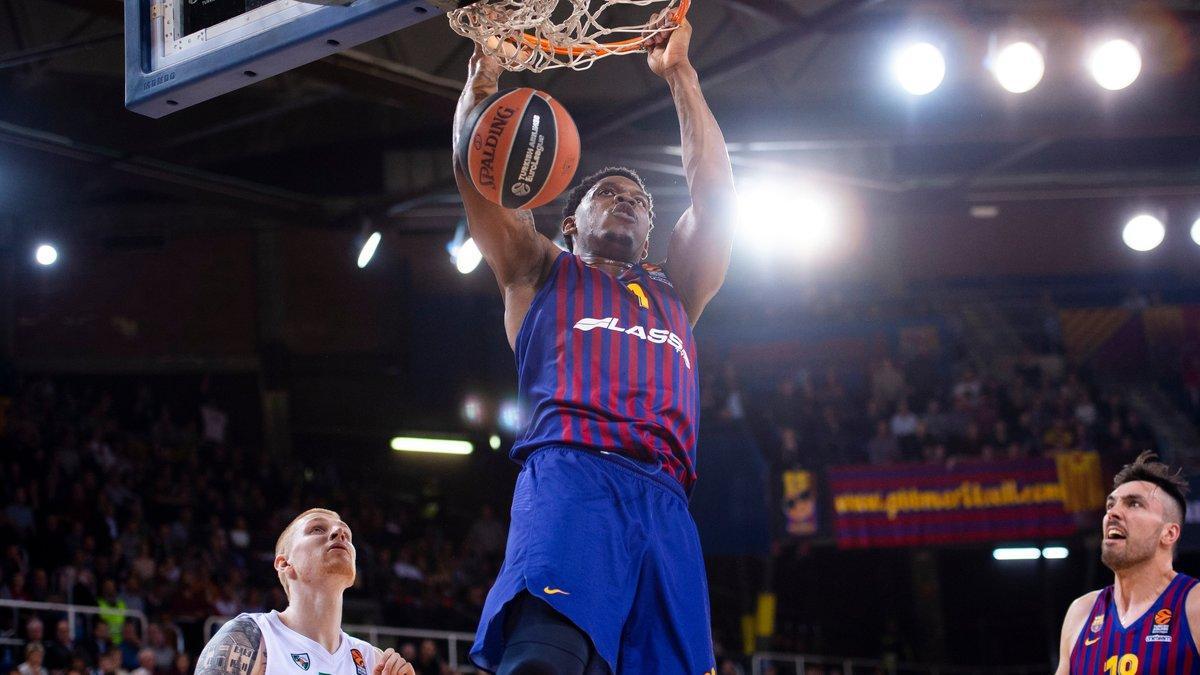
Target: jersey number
[1126,664]
[637,290]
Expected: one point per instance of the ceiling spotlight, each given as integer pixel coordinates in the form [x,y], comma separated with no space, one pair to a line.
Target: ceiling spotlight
[494,442]
[510,416]
[919,68]
[1115,64]
[472,410]
[1016,553]
[368,249]
[1143,233]
[46,255]
[777,217]
[1018,67]
[1196,231]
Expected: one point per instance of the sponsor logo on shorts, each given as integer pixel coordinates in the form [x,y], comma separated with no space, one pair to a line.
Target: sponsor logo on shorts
[360,665]
[302,660]
[554,591]
[656,336]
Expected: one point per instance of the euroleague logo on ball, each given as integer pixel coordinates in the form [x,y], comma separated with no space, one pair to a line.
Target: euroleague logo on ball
[520,189]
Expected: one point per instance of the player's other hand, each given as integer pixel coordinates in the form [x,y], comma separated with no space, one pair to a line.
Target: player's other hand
[483,66]
[667,50]
[391,663]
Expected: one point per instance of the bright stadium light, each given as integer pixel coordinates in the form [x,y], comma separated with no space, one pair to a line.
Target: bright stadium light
[1018,67]
[1016,553]
[1115,64]
[797,218]
[1055,552]
[1143,233]
[440,446]
[919,68]
[46,255]
[494,442]
[472,410]
[368,249]
[510,416]
[467,257]
[1196,231]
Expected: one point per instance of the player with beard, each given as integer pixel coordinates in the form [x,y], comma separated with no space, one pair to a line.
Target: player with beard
[315,562]
[1146,622]
[603,569]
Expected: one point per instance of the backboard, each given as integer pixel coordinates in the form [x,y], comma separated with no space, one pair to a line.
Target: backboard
[181,52]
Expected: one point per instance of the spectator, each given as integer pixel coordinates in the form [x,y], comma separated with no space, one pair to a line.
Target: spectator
[904,422]
[110,664]
[34,630]
[100,644]
[145,663]
[428,662]
[34,655]
[887,382]
[883,448]
[181,665]
[131,644]
[487,534]
[112,609]
[61,649]
[968,387]
[156,641]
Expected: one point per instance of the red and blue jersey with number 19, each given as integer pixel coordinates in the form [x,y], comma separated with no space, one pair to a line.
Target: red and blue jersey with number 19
[608,363]
[1160,641]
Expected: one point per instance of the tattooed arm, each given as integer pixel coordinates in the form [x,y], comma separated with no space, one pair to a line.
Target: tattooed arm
[236,649]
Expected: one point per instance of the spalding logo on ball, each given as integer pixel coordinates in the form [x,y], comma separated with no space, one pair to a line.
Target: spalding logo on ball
[522,148]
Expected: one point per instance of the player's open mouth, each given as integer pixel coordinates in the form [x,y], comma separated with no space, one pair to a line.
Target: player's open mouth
[1114,533]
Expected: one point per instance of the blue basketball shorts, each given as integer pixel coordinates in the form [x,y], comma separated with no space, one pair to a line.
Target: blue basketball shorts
[608,542]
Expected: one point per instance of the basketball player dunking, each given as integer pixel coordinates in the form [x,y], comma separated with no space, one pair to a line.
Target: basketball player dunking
[1146,622]
[314,558]
[603,570]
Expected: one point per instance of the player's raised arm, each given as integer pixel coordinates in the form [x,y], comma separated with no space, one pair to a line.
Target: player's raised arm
[510,244]
[698,256]
[236,649]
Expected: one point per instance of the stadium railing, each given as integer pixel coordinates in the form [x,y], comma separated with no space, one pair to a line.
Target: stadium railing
[455,645]
[801,664]
[72,614]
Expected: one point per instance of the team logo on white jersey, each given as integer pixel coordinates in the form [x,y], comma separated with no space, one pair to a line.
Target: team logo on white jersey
[656,336]
[302,660]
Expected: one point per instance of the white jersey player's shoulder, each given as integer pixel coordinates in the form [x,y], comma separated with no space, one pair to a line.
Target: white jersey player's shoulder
[290,653]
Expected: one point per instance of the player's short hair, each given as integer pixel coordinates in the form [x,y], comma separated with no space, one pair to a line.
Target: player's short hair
[578,192]
[1148,468]
[284,543]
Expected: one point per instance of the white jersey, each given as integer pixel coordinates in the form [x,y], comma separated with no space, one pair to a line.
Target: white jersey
[290,653]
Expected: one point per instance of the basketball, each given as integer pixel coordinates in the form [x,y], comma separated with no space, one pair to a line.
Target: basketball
[522,148]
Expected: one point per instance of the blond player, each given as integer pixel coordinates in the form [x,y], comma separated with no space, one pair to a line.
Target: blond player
[314,558]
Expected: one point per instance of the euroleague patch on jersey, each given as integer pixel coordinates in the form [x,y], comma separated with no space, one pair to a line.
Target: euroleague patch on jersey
[360,665]
[656,273]
[302,660]
[1162,626]
[656,336]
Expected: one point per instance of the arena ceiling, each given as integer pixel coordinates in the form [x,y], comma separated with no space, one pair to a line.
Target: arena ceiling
[798,85]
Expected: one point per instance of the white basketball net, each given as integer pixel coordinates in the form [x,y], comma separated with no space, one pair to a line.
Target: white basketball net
[523,35]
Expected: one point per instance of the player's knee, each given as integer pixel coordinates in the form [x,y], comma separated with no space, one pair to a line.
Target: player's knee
[530,658]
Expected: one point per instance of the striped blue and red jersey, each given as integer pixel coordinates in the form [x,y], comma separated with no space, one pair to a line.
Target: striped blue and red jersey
[608,363]
[1160,641]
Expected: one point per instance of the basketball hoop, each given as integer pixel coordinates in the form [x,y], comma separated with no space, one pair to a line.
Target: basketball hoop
[524,35]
